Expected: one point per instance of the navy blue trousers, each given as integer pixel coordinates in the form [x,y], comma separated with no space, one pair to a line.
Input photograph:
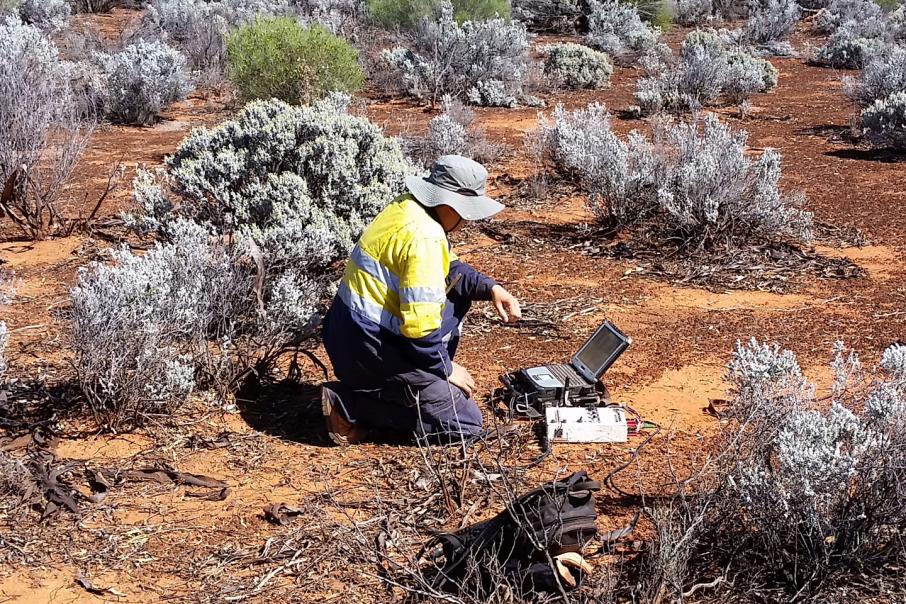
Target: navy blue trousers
[438,411]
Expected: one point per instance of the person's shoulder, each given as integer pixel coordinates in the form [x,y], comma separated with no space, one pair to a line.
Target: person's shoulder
[418,223]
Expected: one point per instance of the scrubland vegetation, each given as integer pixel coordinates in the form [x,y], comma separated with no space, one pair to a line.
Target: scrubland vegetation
[204,281]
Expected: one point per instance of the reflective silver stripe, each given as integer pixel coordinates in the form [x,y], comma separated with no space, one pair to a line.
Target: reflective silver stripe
[369,309]
[422,294]
[374,268]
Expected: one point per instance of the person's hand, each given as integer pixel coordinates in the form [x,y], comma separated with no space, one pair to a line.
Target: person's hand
[506,304]
[460,377]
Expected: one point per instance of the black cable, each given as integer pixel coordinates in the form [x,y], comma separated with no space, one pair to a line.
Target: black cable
[608,480]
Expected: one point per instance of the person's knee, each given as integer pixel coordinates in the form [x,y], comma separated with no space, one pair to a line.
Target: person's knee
[445,409]
[471,421]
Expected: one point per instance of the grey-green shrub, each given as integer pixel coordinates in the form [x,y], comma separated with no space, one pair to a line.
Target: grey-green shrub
[150,328]
[694,12]
[453,131]
[805,484]
[46,14]
[278,57]
[576,66]
[694,182]
[616,28]
[314,167]
[4,341]
[251,218]
[550,16]
[838,12]
[884,121]
[705,71]
[483,62]
[856,41]
[770,24]
[42,134]
[879,91]
[406,14]
[883,75]
[139,81]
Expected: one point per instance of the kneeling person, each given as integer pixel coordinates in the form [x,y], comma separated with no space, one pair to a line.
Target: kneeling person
[394,325]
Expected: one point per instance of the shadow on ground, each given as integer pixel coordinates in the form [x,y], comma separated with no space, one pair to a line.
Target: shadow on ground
[884,156]
[286,409]
[33,405]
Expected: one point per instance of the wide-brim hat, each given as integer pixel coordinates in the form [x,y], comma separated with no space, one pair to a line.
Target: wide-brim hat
[457,182]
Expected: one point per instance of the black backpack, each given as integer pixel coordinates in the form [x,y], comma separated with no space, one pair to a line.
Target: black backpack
[520,542]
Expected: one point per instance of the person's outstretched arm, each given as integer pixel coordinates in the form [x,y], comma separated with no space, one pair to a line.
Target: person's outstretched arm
[474,285]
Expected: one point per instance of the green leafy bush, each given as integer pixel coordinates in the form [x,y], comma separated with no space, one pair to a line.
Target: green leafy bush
[281,58]
[405,14]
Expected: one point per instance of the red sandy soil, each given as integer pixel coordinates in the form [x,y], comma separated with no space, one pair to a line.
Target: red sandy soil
[682,337]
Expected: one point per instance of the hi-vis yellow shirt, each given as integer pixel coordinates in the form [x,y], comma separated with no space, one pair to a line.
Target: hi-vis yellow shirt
[396,274]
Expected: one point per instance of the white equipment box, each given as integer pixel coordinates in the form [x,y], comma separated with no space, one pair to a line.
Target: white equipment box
[586,424]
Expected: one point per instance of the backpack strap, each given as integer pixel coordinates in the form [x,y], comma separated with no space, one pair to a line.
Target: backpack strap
[579,481]
[451,545]
[622,532]
[456,546]
[587,485]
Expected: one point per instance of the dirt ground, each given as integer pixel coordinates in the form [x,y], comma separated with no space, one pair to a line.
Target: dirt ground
[157,542]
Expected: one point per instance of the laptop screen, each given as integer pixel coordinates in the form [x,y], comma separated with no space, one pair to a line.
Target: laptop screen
[600,351]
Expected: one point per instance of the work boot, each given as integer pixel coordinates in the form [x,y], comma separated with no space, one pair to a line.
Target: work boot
[340,430]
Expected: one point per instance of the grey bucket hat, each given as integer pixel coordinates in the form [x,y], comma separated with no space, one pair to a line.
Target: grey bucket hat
[458,182]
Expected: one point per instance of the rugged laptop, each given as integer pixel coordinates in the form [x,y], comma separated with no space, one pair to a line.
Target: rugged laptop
[529,391]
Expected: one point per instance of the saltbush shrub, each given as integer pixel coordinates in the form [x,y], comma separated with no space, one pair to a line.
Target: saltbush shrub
[197,28]
[616,28]
[856,41]
[884,121]
[484,62]
[280,58]
[46,14]
[6,291]
[550,16]
[704,71]
[811,487]
[883,75]
[276,171]
[148,328]
[879,91]
[694,12]
[692,81]
[576,66]
[769,24]
[446,136]
[838,12]
[4,341]
[41,134]
[406,14]
[802,492]
[453,131]
[139,81]
[693,182]
[251,217]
